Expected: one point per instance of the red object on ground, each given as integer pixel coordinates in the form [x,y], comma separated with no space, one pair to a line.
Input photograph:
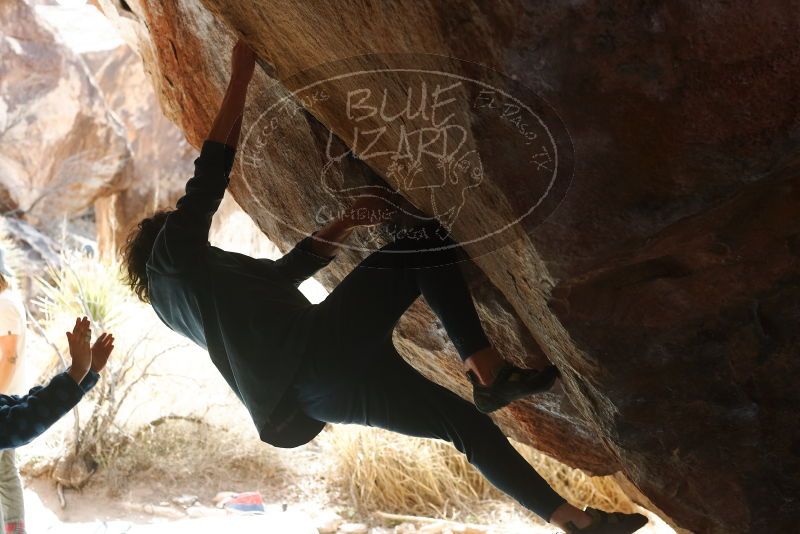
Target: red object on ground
[250,501]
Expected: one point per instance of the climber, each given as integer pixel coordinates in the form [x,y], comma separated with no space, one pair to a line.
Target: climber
[297,366]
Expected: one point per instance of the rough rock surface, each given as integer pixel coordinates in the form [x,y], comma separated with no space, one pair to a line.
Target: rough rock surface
[666,286]
[60,148]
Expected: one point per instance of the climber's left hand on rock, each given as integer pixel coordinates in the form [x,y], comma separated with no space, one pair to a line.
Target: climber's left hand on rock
[243,61]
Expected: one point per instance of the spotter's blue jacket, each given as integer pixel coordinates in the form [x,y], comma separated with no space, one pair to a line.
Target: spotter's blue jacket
[24,417]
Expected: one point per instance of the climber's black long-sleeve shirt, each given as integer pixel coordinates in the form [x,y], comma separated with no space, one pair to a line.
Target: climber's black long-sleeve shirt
[247,312]
[22,418]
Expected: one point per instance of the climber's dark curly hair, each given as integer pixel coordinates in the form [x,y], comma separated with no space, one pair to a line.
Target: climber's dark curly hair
[136,251]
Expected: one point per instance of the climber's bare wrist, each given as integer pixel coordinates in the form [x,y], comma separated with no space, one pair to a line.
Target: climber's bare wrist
[330,236]
[347,222]
[239,81]
[77,373]
[338,230]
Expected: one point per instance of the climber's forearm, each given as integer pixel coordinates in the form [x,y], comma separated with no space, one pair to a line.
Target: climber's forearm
[368,210]
[330,237]
[228,122]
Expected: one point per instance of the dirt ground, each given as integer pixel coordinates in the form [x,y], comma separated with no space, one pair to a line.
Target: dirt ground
[301,508]
[298,502]
[93,512]
[297,497]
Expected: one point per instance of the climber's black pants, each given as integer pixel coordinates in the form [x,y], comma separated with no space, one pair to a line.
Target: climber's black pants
[353,373]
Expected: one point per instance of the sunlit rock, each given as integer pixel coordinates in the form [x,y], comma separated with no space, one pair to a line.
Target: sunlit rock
[60,148]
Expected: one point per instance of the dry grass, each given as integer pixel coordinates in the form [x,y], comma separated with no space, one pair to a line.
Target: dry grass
[187,454]
[388,472]
[576,486]
[80,285]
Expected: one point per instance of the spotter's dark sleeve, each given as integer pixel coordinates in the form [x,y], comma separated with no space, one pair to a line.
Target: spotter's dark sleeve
[184,237]
[301,263]
[22,418]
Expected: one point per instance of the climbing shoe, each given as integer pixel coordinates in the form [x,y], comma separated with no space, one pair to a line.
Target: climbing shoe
[510,384]
[606,523]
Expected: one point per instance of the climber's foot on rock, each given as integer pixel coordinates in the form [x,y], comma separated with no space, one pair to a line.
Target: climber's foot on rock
[609,523]
[510,383]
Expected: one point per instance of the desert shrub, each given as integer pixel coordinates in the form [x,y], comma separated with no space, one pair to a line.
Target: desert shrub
[80,285]
[177,453]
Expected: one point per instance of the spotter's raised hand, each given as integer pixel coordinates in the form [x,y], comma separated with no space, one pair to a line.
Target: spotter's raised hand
[101,350]
[79,349]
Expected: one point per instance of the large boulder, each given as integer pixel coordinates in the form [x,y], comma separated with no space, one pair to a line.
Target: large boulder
[60,148]
[665,285]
